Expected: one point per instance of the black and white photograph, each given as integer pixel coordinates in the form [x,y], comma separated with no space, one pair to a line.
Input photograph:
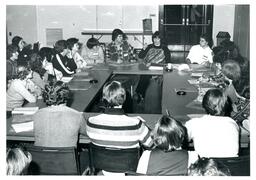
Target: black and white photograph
[150,88]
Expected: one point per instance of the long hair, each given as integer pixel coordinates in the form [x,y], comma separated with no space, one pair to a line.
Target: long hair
[168,134]
[17,161]
[36,65]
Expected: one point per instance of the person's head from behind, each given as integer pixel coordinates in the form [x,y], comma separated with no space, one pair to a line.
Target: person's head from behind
[12,52]
[205,40]
[73,44]
[208,167]
[17,161]
[36,65]
[18,41]
[156,38]
[114,93]
[46,53]
[216,103]
[168,134]
[24,72]
[92,43]
[60,46]
[231,70]
[56,94]
[118,35]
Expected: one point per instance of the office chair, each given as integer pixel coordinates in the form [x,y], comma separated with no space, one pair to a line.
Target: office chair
[114,159]
[238,166]
[53,161]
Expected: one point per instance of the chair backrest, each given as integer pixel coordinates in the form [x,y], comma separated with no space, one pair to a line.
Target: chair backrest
[114,159]
[53,161]
[238,166]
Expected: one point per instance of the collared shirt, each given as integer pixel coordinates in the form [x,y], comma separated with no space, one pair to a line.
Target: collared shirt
[125,53]
[118,130]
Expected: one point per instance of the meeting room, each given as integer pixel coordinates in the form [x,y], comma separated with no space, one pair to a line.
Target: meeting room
[128,90]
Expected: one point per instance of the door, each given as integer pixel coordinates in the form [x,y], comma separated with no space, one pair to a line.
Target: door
[182,25]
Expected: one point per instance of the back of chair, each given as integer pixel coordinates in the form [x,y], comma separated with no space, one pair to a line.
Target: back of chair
[238,166]
[113,159]
[53,161]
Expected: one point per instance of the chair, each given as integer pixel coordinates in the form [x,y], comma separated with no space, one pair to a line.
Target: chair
[238,166]
[53,160]
[114,159]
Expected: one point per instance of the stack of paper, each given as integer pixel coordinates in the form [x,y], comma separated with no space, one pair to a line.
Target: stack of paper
[21,127]
[25,110]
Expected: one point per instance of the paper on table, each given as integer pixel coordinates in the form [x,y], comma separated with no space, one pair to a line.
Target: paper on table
[21,127]
[199,74]
[158,68]
[66,79]
[25,110]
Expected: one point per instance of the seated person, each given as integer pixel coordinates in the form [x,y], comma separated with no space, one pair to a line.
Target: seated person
[167,156]
[63,61]
[46,55]
[92,52]
[228,80]
[57,125]
[156,52]
[214,134]
[119,50]
[24,49]
[73,46]
[21,89]
[114,128]
[39,74]
[201,53]
[11,63]
[17,161]
[208,167]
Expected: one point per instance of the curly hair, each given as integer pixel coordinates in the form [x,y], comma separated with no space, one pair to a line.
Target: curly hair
[56,93]
[168,134]
[216,103]
[114,93]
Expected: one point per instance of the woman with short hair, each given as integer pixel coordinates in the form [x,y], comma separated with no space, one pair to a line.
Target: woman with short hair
[62,60]
[92,52]
[73,46]
[167,156]
[20,89]
[57,125]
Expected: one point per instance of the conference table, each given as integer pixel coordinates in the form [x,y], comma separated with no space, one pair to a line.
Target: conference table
[181,107]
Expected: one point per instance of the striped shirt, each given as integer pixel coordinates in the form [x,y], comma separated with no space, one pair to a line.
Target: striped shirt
[118,131]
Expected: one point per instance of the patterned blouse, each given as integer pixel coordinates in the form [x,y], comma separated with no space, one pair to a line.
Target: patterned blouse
[125,53]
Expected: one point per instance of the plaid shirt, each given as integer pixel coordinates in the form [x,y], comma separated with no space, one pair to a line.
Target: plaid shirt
[125,53]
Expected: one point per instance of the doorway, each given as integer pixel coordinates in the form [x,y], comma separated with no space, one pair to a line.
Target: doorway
[182,25]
